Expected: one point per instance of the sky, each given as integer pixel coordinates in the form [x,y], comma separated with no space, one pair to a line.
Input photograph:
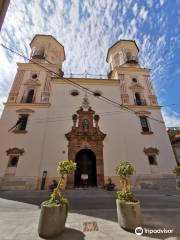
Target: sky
[87,28]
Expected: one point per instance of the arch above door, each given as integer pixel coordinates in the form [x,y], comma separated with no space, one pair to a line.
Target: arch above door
[85,174]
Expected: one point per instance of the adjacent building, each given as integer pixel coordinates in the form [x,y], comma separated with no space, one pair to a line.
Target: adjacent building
[3,9]
[174,135]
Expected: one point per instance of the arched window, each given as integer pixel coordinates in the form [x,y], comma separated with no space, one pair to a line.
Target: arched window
[30,96]
[128,55]
[138,99]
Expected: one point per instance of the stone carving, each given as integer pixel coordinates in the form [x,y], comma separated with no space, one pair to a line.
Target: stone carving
[125,98]
[15,150]
[153,99]
[136,87]
[142,113]
[151,150]
[85,133]
[85,125]
[85,102]
[25,111]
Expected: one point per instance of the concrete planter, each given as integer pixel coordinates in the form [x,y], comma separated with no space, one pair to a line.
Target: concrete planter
[52,220]
[129,214]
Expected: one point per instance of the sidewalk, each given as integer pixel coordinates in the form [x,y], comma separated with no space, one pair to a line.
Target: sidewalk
[18,221]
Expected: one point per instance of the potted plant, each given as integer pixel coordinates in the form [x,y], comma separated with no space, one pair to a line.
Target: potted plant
[128,208]
[176,171]
[54,211]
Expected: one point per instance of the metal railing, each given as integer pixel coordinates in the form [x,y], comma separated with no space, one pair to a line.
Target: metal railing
[140,102]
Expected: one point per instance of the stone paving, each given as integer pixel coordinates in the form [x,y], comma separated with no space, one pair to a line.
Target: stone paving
[18,221]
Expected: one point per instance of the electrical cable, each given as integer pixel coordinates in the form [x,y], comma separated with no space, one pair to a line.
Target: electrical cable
[80,86]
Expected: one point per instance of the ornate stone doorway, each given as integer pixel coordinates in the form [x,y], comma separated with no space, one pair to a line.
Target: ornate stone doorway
[86,136]
[85,174]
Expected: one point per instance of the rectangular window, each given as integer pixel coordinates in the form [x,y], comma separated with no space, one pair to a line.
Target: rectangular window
[152,160]
[13,161]
[22,122]
[144,124]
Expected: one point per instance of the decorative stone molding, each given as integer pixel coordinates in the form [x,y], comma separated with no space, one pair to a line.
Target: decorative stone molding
[15,150]
[142,113]
[125,98]
[16,86]
[153,99]
[123,88]
[32,83]
[136,87]
[45,97]
[19,131]
[12,97]
[151,150]
[28,105]
[86,134]
[25,111]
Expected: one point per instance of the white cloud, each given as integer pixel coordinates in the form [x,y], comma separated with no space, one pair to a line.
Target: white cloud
[171,118]
[143,13]
[150,3]
[86,29]
[135,9]
[161,2]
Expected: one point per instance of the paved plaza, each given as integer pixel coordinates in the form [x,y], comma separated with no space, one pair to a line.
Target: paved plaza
[19,216]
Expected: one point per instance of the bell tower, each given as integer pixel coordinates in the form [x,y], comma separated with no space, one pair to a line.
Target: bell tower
[122,52]
[46,49]
[135,85]
[32,84]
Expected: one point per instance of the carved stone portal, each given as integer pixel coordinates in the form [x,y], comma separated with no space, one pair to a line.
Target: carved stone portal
[85,134]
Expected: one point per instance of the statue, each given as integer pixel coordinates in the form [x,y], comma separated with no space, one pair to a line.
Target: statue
[85,125]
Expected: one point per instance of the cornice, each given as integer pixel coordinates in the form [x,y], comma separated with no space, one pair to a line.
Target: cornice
[142,108]
[85,81]
[27,105]
[29,65]
[123,70]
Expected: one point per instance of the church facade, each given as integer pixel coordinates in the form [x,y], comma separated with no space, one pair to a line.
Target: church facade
[97,123]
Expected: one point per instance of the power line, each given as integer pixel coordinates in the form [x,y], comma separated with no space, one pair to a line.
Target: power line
[69,117]
[172,104]
[64,118]
[110,101]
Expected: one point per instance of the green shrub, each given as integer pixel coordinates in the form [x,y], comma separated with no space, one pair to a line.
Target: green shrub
[64,168]
[124,171]
[176,171]
[127,196]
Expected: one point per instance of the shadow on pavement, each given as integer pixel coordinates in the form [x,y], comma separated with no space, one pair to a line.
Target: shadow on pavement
[154,208]
[68,234]
[106,214]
